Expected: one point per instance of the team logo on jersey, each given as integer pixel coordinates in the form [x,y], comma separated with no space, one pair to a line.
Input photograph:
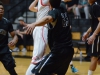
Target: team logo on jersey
[2,32]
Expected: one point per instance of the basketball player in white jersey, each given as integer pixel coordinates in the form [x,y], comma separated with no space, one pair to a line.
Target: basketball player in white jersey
[39,33]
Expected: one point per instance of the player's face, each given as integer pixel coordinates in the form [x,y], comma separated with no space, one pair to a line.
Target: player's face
[1,10]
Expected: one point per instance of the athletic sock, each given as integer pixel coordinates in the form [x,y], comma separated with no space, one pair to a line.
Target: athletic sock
[90,72]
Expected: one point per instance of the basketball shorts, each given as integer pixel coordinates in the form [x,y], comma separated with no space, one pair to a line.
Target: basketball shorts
[7,59]
[95,47]
[54,63]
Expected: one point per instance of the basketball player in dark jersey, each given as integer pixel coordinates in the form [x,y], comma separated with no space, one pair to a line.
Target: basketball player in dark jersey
[5,54]
[94,39]
[58,60]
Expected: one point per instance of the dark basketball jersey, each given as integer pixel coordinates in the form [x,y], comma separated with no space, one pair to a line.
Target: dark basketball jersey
[61,33]
[5,27]
[95,13]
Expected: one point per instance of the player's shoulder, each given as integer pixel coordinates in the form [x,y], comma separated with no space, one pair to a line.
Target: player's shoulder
[44,2]
[6,20]
[96,4]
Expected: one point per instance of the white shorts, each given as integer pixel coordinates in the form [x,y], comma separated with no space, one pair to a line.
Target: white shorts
[40,41]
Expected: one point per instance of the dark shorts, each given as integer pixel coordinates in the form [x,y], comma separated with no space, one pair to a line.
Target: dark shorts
[56,63]
[7,59]
[95,47]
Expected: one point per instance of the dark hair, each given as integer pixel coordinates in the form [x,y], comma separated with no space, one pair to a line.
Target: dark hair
[1,3]
[55,3]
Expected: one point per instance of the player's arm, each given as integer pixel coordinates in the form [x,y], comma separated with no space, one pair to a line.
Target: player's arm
[93,36]
[23,32]
[43,21]
[97,29]
[18,32]
[12,33]
[14,36]
[33,7]
[86,34]
[96,12]
[89,31]
[14,40]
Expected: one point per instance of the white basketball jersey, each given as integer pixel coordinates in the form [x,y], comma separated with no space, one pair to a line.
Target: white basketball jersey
[42,9]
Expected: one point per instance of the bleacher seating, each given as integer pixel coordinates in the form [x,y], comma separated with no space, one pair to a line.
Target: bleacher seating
[16,8]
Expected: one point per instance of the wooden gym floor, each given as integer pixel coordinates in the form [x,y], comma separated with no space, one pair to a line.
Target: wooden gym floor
[23,63]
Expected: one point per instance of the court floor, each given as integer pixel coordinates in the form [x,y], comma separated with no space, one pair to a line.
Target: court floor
[23,63]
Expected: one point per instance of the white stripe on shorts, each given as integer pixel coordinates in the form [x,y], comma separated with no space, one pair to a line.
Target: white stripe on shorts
[98,44]
[45,62]
[92,46]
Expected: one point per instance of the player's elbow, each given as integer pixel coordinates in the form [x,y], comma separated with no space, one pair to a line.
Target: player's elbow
[30,8]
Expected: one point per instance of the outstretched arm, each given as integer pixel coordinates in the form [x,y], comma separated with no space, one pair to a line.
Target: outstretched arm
[43,21]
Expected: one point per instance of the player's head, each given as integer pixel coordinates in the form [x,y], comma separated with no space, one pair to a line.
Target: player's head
[66,0]
[54,3]
[91,1]
[1,9]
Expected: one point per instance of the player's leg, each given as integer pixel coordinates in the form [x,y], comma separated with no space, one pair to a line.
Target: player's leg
[39,46]
[73,69]
[40,43]
[28,72]
[8,62]
[93,65]
[63,69]
[99,60]
[52,65]
[94,56]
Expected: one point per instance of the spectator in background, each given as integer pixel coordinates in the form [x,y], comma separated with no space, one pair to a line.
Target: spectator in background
[71,5]
[82,7]
[22,38]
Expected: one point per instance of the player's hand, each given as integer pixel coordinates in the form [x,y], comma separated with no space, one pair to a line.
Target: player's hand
[85,36]
[21,36]
[11,43]
[29,28]
[91,39]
